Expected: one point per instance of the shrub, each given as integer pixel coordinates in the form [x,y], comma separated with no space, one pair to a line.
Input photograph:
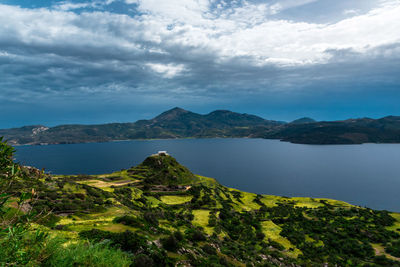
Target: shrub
[394,249]
[21,247]
[18,246]
[88,254]
[127,240]
[142,260]
[151,217]
[49,220]
[260,235]
[195,235]
[170,243]
[276,245]
[178,235]
[209,249]
[128,220]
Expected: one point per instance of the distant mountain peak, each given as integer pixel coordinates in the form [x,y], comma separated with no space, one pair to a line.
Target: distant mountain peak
[303,120]
[221,111]
[172,113]
[177,109]
[225,112]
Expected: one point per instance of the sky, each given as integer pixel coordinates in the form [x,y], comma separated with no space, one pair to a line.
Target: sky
[89,62]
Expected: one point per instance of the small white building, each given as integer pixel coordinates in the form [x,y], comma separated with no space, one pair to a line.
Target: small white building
[162,153]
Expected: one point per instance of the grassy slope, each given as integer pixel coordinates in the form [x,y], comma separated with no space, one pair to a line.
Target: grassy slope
[201,199]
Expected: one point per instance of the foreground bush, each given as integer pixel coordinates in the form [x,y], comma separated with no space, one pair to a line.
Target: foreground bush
[88,254]
[20,247]
[37,249]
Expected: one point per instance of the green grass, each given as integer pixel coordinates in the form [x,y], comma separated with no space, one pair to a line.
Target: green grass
[136,193]
[380,250]
[272,231]
[201,219]
[123,174]
[175,200]
[87,254]
[73,188]
[115,227]
[105,185]
[154,202]
[102,220]
[270,201]
[106,224]
[396,225]
[336,203]
[318,243]
[307,202]
[206,180]
[218,204]
[248,203]
[222,195]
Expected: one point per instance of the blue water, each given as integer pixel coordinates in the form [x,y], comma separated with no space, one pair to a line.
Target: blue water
[365,175]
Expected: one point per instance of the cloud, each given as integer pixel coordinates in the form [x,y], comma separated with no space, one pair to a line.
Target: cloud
[168,70]
[287,4]
[66,6]
[351,12]
[191,48]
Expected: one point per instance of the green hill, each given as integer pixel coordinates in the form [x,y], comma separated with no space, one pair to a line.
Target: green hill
[180,123]
[174,123]
[351,131]
[163,170]
[160,214]
[303,120]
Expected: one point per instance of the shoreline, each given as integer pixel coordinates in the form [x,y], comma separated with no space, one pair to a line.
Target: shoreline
[185,138]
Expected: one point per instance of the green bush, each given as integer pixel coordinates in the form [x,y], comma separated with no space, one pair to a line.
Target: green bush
[195,235]
[170,243]
[128,220]
[394,249]
[88,254]
[127,240]
[20,247]
[142,260]
[207,248]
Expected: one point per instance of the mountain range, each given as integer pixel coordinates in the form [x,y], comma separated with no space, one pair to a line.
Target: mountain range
[180,123]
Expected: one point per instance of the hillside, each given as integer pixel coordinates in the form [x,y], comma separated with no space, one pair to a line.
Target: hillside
[164,215]
[303,120]
[174,123]
[180,123]
[352,131]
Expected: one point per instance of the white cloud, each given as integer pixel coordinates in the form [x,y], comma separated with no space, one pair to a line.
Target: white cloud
[244,31]
[66,6]
[167,70]
[187,11]
[351,12]
[307,42]
[287,4]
